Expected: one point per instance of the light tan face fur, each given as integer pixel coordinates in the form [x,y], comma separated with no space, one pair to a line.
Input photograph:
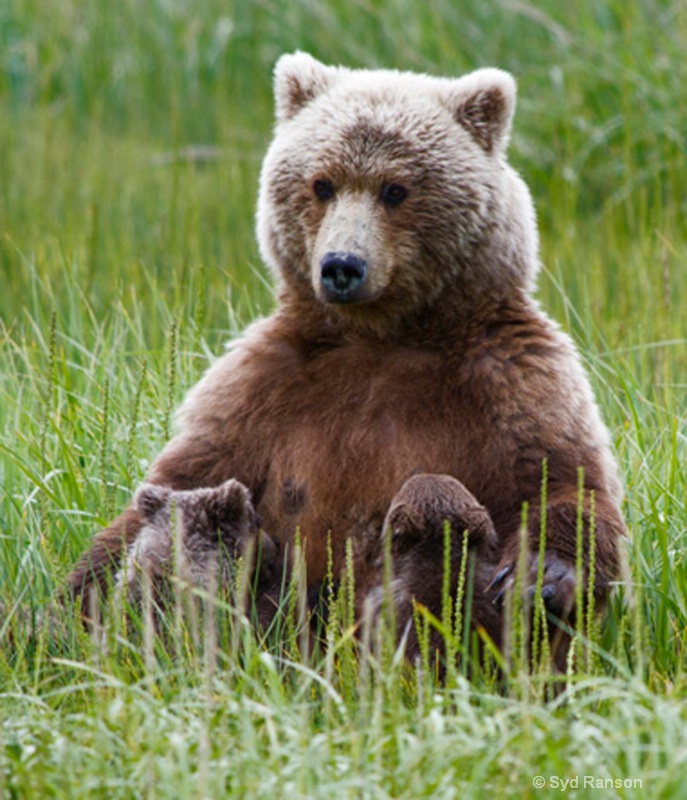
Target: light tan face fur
[356,220]
[349,223]
[344,137]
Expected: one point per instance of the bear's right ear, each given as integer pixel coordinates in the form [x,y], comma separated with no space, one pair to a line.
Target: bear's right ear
[298,79]
[150,499]
[227,502]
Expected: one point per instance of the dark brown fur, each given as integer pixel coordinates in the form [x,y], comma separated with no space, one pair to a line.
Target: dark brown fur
[351,444]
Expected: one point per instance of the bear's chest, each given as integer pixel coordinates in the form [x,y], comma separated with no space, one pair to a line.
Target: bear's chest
[351,432]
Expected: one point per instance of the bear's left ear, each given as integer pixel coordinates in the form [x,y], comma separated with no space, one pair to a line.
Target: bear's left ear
[298,79]
[483,102]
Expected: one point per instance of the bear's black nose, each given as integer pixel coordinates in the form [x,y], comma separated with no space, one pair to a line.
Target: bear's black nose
[343,277]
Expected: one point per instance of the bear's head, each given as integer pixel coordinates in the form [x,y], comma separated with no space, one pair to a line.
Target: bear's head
[384,191]
[212,514]
[206,519]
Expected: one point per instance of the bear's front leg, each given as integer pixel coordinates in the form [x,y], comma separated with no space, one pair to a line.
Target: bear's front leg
[416,524]
[566,519]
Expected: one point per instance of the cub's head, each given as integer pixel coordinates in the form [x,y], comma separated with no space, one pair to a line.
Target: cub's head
[384,190]
[204,519]
[224,511]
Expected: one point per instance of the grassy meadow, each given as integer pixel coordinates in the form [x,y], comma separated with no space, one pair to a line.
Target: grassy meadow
[131,136]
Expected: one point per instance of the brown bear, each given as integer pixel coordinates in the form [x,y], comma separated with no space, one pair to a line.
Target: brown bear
[196,534]
[407,377]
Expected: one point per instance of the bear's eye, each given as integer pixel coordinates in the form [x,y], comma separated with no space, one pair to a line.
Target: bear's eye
[324,189]
[393,194]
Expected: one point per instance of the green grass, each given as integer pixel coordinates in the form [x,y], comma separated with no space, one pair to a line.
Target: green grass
[124,267]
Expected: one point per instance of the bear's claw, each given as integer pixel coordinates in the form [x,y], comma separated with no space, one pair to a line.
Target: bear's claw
[558,585]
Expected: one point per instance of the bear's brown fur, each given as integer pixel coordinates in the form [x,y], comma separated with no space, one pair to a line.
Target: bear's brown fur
[407,376]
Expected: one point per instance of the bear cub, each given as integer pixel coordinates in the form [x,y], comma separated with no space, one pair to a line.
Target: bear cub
[196,535]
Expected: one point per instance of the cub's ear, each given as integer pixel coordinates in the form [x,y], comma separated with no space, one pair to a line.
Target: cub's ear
[483,102]
[227,502]
[298,79]
[150,499]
